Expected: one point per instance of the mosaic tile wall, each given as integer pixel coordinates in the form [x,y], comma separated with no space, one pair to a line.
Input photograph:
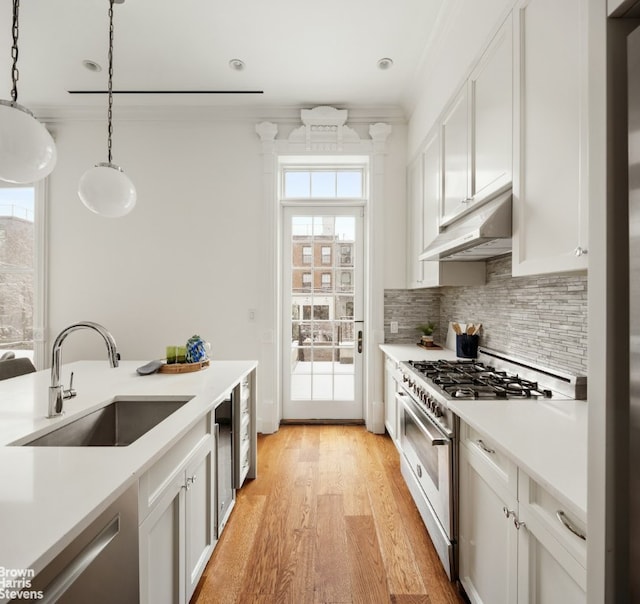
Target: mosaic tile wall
[410,308]
[542,318]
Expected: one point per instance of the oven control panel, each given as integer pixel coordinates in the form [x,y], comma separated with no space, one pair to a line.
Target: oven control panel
[427,401]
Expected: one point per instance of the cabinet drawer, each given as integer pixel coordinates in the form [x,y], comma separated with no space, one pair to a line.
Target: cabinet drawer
[493,465]
[153,482]
[542,510]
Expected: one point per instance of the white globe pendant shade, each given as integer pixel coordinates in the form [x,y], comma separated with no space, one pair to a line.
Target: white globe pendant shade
[27,150]
[106,190]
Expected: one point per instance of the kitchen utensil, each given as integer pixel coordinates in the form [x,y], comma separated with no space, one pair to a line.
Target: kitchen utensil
[470,329]
[477,329]
[456,327]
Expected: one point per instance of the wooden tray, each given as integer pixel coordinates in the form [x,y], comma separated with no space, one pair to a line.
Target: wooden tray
[432,347]
[183,367]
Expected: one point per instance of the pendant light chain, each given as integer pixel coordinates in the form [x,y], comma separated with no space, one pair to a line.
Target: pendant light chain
[15,74]
[110,85]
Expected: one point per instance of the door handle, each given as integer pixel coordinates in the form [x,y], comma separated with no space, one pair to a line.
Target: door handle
[360,336]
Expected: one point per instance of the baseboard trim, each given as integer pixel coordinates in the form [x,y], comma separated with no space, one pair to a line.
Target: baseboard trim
[322,422]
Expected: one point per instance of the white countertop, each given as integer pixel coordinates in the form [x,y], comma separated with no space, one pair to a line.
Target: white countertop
[49,494]
[546,439]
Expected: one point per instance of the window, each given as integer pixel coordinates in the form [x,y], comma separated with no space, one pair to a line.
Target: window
[306,254]
[345,255]
[326,280]
[346,183]
[306,280]
[17,269]
[326,254]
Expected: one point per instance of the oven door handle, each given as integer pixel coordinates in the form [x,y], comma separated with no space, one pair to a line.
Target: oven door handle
[436,440]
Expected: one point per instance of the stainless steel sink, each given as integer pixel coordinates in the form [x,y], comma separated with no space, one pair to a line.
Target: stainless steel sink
[117,425]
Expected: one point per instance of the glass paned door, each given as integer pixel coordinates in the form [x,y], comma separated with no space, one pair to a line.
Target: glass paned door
[322,313]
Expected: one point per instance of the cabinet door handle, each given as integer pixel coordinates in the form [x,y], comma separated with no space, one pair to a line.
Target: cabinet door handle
[484,447]
[562,517]
[580,251]
[507,512]
[517,523]
[419,470]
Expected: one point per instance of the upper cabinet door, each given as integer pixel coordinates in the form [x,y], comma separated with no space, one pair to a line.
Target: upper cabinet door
[415,243]
[455,156]
[550,137]
[490,90]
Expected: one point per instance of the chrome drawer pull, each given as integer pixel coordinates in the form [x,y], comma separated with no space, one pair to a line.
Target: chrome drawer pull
[507,512]
[562,517]
[484,447]
[517,523]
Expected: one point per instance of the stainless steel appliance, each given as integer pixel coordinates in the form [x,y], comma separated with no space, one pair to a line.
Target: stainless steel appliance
[99,566]
[633,67]
[429,428]
[225,490]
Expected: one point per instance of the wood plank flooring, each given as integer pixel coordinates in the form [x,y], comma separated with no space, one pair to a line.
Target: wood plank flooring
[328,520]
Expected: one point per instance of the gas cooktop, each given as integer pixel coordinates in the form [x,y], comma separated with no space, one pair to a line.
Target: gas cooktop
[474,380]
[493,375]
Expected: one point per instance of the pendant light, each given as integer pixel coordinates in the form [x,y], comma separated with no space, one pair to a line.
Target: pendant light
[105,189]
[27,150]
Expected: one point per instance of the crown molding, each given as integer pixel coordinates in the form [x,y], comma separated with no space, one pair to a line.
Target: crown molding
[149,113]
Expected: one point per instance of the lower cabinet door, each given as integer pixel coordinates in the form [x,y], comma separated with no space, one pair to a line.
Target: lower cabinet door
[488,554]
[200,509]
[548,574]
[162,564]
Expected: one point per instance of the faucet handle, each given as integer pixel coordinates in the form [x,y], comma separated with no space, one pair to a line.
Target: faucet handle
[70,392]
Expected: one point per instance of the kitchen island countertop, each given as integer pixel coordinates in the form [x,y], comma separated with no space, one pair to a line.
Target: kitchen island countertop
[546,439]
[49,494]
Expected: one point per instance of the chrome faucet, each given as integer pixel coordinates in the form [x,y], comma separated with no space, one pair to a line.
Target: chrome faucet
[57,392]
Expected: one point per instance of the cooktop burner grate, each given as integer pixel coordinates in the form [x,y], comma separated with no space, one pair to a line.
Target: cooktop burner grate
[474,380]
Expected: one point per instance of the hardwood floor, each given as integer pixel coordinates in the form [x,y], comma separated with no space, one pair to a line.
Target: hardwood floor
[329,519]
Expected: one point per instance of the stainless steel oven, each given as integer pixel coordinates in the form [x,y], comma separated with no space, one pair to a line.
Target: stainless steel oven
[429,428]
[428,466]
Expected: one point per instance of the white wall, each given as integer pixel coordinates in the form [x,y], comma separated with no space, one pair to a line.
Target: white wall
[466,28]
[186,260]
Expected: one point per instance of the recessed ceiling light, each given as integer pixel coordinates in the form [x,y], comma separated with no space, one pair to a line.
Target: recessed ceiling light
[385,63]
[236,64]
[91,65]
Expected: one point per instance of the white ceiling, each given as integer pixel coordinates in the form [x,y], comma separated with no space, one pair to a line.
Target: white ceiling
[299,52]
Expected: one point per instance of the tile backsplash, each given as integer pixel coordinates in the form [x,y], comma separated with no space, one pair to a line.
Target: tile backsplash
[542,319]
[410,308]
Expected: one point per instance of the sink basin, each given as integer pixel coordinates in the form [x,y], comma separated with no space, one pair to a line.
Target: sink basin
[117,425]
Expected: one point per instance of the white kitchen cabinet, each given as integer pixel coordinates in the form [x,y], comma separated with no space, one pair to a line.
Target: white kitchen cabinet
[176,515]
[436,273]
[199,516]
[245,454]
[518,542]
[487,538]
[491,106]
[550,142]
[477,131]
[391,376]
[455,155]
[415,241]
[552,555]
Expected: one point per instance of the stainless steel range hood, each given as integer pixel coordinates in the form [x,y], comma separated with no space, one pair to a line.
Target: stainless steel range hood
[481,233]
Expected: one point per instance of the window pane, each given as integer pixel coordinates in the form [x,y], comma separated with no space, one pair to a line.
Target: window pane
[16,268]
[350,184]
[297,184]
[323,184]
[345,228]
